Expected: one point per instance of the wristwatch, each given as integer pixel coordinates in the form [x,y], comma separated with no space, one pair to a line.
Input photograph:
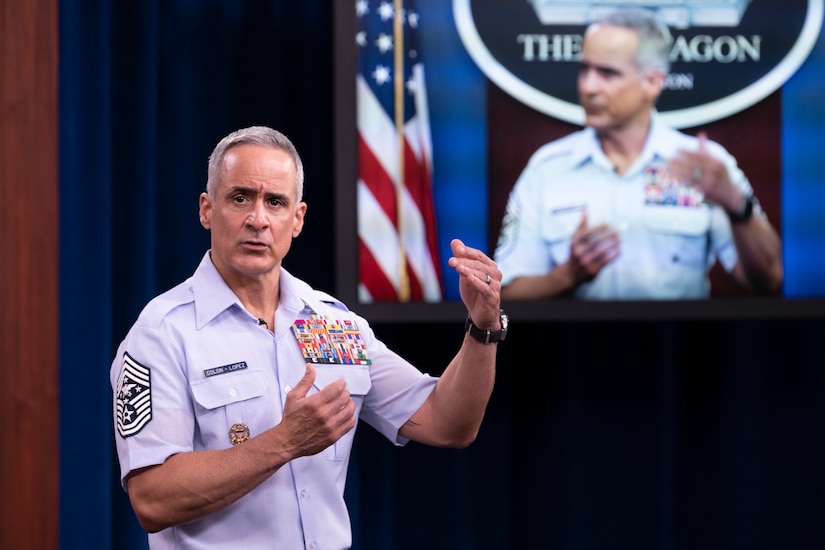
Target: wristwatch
[488,336]
[745,210]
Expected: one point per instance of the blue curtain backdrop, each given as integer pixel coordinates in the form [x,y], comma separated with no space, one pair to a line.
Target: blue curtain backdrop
[146,90]
[666,435]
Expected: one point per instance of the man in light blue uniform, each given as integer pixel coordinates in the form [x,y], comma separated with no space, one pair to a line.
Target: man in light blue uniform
[628,208]
[237,393]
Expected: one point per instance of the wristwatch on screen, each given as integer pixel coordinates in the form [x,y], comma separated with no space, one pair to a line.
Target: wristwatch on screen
[745,210]
[488,336]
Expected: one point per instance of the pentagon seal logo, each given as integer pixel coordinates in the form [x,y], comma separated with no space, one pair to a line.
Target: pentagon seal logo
[727,54]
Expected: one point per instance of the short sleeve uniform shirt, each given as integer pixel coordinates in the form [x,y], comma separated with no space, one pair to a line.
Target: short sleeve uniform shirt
[196,369]
[670,236]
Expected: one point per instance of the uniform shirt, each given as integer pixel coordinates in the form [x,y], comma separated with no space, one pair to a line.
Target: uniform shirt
[670,236]
[196,363]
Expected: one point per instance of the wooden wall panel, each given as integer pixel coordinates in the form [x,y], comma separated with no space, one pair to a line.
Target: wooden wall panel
[29,202]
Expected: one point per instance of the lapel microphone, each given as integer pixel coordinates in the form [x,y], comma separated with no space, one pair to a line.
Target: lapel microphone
[262,322]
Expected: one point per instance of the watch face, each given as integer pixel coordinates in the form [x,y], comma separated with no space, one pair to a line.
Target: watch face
[505,324]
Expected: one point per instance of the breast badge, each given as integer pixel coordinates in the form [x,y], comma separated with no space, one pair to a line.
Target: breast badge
[238,433]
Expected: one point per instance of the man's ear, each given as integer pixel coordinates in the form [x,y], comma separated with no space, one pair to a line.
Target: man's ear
[298,220]
[654,83]
[205,211]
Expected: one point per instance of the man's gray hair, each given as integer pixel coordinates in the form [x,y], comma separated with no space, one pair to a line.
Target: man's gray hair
[655,40]
[257,135]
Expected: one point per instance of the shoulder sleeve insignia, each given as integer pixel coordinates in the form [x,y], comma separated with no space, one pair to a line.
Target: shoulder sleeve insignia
[134,397]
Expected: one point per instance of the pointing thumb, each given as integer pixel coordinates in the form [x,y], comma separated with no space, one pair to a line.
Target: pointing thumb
[302,387]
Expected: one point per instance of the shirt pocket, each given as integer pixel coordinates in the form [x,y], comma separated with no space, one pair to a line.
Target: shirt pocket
[557,228]
[358,381]
[227,399]
[357,378]
[679,236]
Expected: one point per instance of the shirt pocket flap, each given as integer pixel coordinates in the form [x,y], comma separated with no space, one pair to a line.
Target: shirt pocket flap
[560,223]
[684,220]
[357,377]
[224,389]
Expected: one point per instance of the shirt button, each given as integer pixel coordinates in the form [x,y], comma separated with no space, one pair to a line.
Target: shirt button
[233,392]
[304,493]
[287,388]
[312,544]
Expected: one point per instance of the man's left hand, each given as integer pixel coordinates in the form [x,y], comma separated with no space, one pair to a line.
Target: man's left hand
[479,284]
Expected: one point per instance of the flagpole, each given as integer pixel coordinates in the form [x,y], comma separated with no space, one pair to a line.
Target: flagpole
[398,81]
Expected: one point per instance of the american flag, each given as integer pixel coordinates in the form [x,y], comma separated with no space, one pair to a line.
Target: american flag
[398,249]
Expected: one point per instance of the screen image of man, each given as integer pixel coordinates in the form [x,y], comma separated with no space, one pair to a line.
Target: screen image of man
[629,208]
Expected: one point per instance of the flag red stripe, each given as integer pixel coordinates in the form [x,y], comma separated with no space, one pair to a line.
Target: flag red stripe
[416,291]
[372,276]
[377,181]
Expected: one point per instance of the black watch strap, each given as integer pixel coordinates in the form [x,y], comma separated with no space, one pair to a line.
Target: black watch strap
[488,336]
[745,211]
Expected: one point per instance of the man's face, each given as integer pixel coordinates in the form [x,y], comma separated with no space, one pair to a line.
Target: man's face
[254,214]
[612,90]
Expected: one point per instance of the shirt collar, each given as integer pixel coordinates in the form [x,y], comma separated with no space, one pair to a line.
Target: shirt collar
[213,296]
[658,144]
[211,293]
[586,148]
[298,296]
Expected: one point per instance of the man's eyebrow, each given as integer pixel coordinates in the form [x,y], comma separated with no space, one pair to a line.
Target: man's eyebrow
[283,197]
[252,190]
[600,68]
[241,189]
[592,65]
